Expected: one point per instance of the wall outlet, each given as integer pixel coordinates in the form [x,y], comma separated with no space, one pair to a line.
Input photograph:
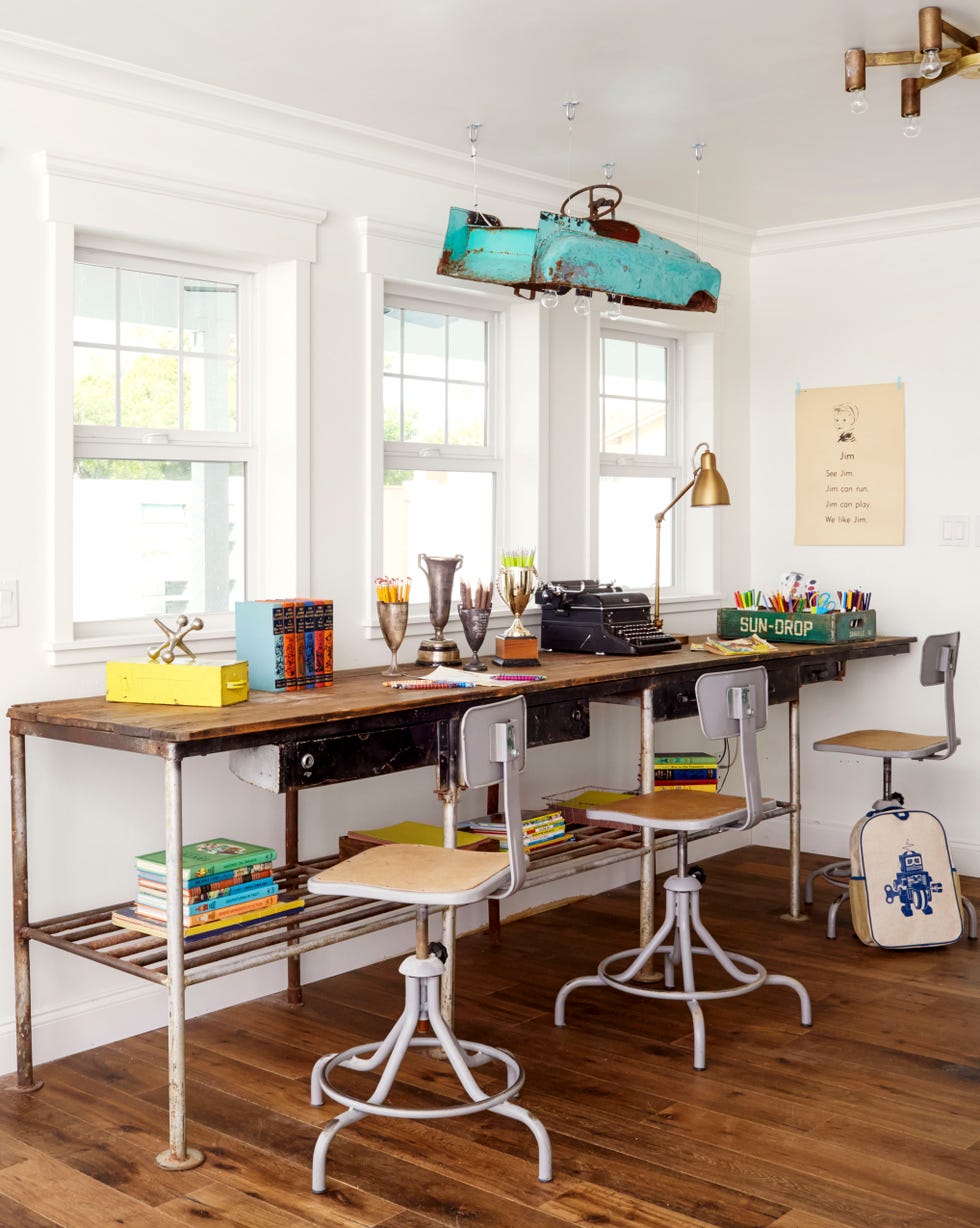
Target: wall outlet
[9,614]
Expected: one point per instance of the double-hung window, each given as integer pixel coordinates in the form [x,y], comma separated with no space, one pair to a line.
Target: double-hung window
[442,465]
[162,444]
[638,468]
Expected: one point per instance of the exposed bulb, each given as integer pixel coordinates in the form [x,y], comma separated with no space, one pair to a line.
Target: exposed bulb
[912,127]
[931,65]
[614,310]
[582,306]
[549,300]
[858,102]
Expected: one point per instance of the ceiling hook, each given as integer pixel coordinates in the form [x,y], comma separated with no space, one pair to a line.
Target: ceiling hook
[570,110]
[607,170]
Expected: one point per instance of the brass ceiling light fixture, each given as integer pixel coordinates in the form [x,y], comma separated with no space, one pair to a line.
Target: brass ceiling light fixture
[936,63]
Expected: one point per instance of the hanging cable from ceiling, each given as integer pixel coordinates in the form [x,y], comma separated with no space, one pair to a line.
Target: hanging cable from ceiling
[698,156]
[570,116]
[473,132]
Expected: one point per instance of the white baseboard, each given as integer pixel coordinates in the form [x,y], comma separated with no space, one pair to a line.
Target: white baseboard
[832,840]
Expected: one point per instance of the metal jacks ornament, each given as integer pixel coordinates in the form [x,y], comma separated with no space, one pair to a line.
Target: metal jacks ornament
[167,651]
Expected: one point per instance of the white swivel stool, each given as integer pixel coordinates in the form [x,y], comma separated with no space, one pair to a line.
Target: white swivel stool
[939,656]
[731,703]
[493,739]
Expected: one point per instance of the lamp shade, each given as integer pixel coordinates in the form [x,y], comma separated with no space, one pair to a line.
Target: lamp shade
[709,486]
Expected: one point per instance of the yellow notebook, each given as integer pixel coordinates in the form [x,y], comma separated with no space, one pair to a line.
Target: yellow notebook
[415,833]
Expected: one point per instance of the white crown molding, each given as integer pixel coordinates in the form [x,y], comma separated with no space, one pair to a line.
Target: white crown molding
[111,174]
[867,228]
[382,228]
[46,65]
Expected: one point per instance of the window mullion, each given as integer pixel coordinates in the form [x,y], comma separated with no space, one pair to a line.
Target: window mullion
[117,367]
[180,352]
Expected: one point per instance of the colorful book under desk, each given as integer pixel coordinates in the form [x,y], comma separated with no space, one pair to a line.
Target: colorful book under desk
[409,833]
[208,857]
[128,918]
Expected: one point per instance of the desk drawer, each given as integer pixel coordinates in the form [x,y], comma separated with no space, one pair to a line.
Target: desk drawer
[329,761]
[384,749]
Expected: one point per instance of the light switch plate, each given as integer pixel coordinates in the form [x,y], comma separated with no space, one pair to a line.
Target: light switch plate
[9,614]
[954,531]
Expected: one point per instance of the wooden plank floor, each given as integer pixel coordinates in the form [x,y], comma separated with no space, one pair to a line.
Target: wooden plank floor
[869,1119]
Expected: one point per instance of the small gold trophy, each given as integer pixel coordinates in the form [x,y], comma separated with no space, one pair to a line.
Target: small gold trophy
[516,582]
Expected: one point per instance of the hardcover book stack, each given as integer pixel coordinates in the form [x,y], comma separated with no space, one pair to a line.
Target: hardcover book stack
[224,883]
[288,644]
[541,828]
[686,770]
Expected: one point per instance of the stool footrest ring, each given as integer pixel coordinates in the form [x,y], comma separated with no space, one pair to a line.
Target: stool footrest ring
[615,981]
[514,1071]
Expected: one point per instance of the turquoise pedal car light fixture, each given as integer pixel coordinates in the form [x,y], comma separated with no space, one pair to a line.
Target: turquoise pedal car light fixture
[597,253]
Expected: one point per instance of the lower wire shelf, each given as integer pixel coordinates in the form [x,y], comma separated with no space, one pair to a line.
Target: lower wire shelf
[322,921]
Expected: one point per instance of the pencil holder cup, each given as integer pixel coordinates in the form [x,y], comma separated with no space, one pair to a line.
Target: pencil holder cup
[393,620]
[475,623]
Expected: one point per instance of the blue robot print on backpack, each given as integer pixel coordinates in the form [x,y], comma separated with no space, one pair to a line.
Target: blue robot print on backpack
[913,885]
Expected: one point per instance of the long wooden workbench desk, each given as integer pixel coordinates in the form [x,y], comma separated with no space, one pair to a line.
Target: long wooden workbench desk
[355,730]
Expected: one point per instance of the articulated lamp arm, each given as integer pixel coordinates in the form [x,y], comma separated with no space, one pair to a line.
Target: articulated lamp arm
[658,622]
[709,491]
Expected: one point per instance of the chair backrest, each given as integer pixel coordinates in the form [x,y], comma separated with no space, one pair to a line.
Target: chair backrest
[939,657]
[493,746]
[734,704]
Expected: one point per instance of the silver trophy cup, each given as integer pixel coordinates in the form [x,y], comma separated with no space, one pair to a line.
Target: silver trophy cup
[440,573]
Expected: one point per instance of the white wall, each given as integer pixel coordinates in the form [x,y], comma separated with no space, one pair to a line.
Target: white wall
[92,810]
[863,304]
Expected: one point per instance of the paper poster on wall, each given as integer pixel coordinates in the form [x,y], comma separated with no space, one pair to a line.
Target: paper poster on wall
[850,466]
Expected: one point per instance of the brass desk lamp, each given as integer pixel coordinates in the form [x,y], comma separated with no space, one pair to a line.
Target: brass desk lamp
[709,491]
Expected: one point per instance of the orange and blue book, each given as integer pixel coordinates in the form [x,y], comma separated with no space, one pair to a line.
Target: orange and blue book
[153,903]
[129,919]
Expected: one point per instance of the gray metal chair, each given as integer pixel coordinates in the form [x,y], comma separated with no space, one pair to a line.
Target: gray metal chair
[493,740]
[732,703]
[938,665]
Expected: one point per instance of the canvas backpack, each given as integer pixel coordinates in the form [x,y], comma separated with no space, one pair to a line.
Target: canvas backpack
[904,888]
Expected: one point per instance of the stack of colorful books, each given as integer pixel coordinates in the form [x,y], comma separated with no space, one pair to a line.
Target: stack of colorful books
[224,883]
[686,770]
[541,828]
[288,644]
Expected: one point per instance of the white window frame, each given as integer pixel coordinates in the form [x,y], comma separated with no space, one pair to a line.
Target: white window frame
[448,458]
[670,465]
[135,443]
[400,261]
[87,204]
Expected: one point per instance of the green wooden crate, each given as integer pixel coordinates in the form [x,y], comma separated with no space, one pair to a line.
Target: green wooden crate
[840,627]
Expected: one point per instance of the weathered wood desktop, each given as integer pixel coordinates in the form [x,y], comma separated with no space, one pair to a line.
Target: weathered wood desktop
[352,731]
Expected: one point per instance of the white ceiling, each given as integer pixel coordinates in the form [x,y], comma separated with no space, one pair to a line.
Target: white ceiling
[759,81]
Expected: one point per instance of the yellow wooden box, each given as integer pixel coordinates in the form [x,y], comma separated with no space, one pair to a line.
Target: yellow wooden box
[202,683]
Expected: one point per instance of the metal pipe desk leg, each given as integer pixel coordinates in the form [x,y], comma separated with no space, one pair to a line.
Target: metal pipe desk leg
[294,979]
[179,1156]
[648,862]
[450,805]
[796,912]
[22,956]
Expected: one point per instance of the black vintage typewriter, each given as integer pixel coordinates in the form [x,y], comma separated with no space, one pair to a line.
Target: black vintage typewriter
[586,616]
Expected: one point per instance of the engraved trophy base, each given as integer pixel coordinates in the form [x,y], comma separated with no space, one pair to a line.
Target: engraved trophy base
[516,650]
[438,652]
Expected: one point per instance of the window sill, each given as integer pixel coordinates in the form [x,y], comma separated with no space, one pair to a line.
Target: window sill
[95,649]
